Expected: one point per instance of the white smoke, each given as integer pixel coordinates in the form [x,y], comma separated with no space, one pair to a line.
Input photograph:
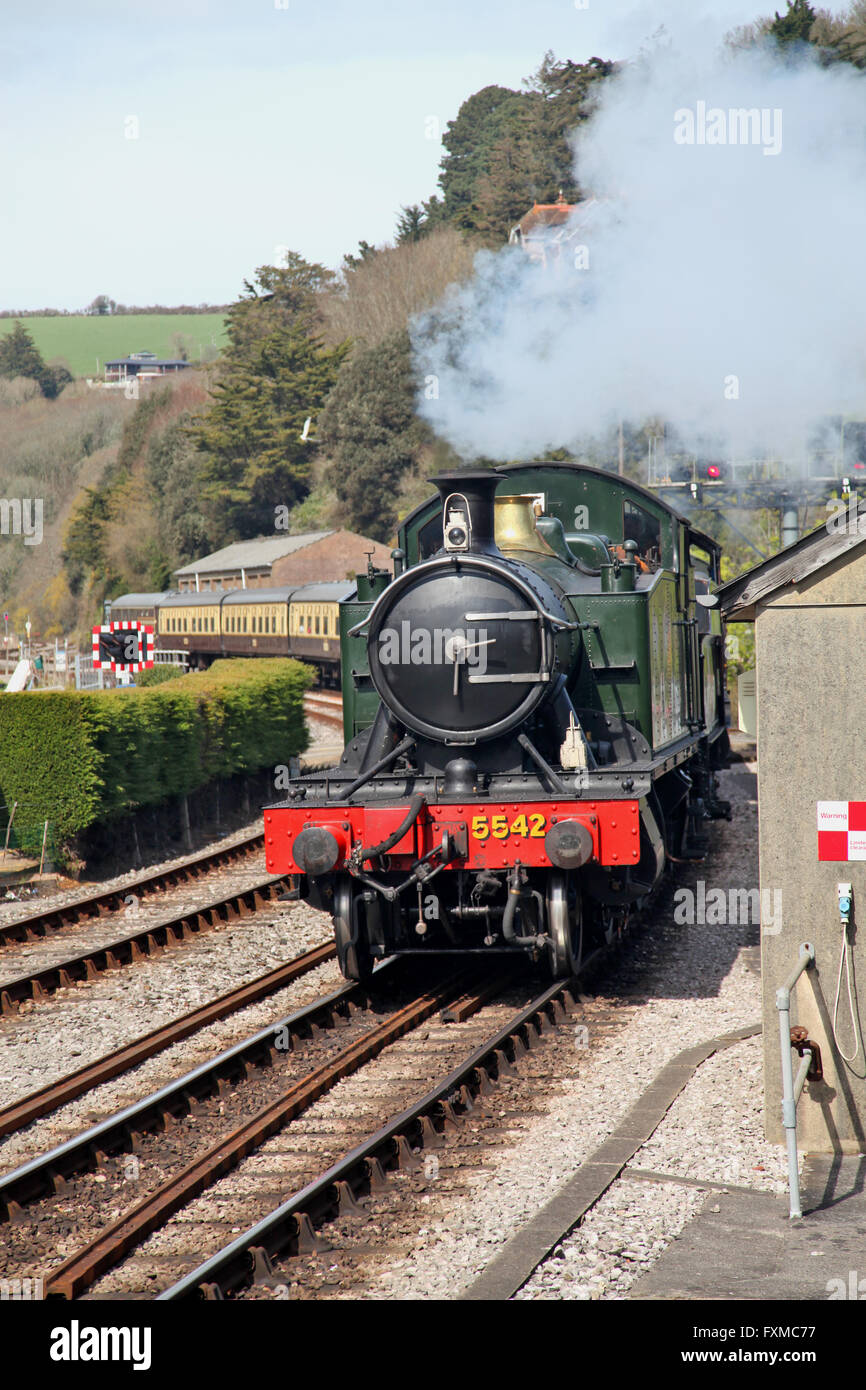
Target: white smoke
[725,288]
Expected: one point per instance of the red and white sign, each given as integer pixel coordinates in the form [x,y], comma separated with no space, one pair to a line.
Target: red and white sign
[123,646]
[841,831]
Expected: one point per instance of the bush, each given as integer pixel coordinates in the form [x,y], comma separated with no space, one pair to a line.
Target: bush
[78,758]
[158,675]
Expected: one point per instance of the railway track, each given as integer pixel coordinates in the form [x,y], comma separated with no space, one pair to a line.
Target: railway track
[49,1098]
[28,1193]
[35,926]
[325,706]
[240,1100]
[250,1264]
[256,1256]
[143,944]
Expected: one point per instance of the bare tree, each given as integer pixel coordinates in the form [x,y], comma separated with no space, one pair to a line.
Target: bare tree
[379,295]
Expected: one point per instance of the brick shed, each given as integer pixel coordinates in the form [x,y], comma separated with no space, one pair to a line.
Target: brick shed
[316,557]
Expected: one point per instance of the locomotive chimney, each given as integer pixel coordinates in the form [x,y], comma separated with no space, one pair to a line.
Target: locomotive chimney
[467,510]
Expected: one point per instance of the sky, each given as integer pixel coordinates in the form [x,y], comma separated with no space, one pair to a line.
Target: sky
[159,153]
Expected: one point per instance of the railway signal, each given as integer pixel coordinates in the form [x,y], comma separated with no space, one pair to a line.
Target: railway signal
[123,647]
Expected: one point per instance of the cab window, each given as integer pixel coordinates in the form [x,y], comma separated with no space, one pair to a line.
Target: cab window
[645,530]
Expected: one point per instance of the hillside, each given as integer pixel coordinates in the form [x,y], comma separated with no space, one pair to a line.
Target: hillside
[88,447]
[85,341]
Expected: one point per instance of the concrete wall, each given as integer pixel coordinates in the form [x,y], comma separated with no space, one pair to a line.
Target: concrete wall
[811,670]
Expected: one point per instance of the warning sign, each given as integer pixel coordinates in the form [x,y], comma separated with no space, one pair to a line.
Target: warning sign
[841,830]
[123,646]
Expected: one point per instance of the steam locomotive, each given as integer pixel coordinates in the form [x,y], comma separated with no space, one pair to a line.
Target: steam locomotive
[534,712]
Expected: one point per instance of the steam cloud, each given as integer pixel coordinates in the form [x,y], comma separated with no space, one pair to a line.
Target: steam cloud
[725,288]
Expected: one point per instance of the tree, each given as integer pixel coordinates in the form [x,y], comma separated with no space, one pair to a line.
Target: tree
[83,553]
[19,356]
[366,252]
[569,93]
[257,451]
[468,139]
[381,293]
[849,43]
[411,225]
[102,305]
[508,187]
[795,25]
[374,437]
[507,150]
[174,477]
[275,374]
[278,296]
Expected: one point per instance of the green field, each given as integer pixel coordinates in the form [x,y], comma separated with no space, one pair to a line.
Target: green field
[84,342]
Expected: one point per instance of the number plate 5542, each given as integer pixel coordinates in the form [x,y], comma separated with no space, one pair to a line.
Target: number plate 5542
[532,827]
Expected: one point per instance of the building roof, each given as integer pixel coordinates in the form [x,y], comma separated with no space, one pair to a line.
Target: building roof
[559,221]
[138,600]
[546,215]
[255,554]
[739,597]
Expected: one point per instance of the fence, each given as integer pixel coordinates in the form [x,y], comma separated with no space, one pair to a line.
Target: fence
[22,833]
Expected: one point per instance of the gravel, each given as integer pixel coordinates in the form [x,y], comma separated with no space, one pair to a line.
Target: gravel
[699,981]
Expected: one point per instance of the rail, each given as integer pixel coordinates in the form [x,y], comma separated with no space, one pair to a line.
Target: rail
[792,1086]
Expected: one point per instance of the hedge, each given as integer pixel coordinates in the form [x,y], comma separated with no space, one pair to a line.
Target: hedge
[77,758]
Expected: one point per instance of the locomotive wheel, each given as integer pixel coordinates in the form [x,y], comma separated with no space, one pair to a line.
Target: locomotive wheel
[353,950]
[564,925]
